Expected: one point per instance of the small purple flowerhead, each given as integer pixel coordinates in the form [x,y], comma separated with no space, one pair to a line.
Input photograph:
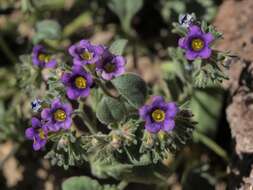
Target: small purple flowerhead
[42,58]
[37,133]
[159,115]
[78,82]
[110,65]
[196,43]
[58,116]
[84,52]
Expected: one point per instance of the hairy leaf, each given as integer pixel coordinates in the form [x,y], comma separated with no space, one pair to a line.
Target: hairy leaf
[132,87]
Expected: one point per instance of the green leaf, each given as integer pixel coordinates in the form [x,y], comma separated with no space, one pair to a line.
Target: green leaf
[118,46]
[132,87]
[47,29]
[206,106]
[125,10]
[81,183]
[110,110]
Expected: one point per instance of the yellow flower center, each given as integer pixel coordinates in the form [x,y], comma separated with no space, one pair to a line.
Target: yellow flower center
[197,44]
[60,115]
[44,57]
[158,115]
[42,134]
[109,67]
[86,55]
[80,82]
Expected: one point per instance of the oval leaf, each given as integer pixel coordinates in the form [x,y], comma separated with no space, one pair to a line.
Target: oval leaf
[132,87]
[118,46]
[110,110]
[81,183]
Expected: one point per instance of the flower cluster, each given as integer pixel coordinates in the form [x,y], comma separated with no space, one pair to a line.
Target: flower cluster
[77,83]
[159,115]
[53,119]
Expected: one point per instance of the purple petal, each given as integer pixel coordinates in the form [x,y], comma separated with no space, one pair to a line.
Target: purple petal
[172,109]
[67,108]
[157,101]
[143,111]
[107,76]
[85,92]
[72,50]
[191,55]
[29,133]
[120,70]
[66,78]
[51,64]
[78,69]
[205,53]
[153,127]
[56,103]
[78,62]
[84,43]
[35,122]
[66,124]
[38,144]
[72,93]
[208,38]
[89,79]
[194,30]
[119,60]
[46,114]
[181,43]
[54,127]
[168,125]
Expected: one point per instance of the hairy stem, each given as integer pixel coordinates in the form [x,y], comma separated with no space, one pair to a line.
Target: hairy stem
[122,185]
[86,121]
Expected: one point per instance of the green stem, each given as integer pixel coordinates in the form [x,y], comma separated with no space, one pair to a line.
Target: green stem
[86,121]
[6,50]
[105,90]
[212,145]
[122,185]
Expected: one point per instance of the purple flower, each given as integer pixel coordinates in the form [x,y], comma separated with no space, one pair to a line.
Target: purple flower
[159,115]
[84,52]
[37,133]
[110,65]
[196,43]
[42,58]
[58,116]
[78,82]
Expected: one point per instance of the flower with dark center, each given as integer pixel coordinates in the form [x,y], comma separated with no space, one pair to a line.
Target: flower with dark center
[84,52]
[77,83]
[196,43]
[37,133]
[58,116]
[110,66]
[159,115]
[42,58]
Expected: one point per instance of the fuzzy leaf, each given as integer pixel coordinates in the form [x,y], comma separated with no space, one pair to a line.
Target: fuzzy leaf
[118,46]
[132,87]
[110,110]
[47,29]
[81,183]
[206,106]
[125,10]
